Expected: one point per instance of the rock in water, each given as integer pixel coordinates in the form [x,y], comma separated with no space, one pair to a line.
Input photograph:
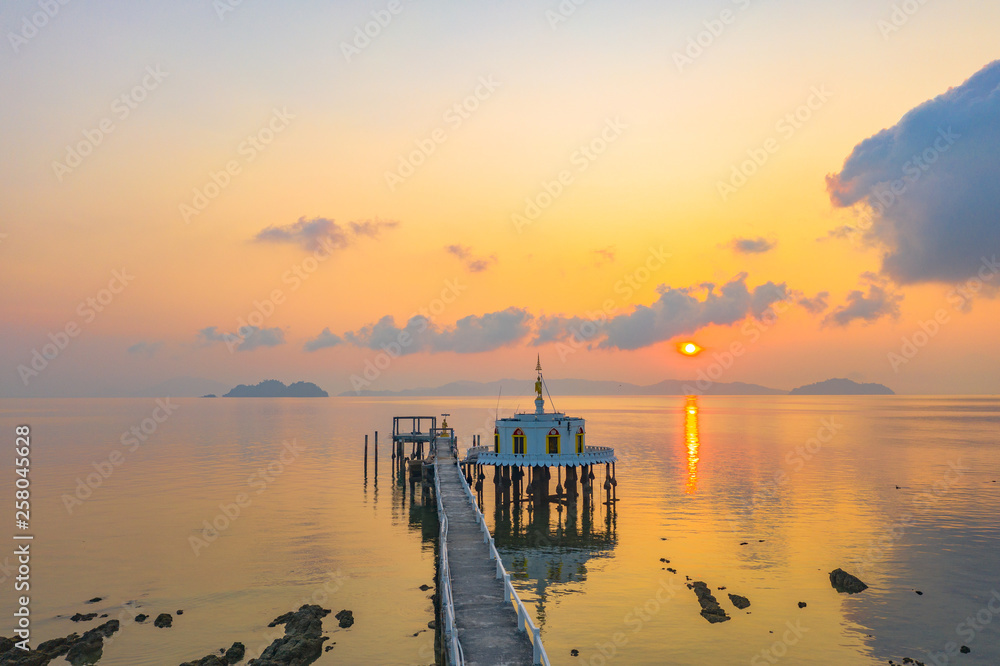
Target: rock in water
[346,618]
[163,620]
[141,617]
[235,653]
[710,608]
[845,582]
[738,601]
[77,649]
[302,643]
[802,604]
[232,655]
[79,617]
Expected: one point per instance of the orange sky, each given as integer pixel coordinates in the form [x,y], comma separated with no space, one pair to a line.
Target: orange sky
[335,126]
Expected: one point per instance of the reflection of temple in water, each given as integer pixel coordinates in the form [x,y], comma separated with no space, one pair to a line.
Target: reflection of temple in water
[551,544]
[543,537]
[692,443]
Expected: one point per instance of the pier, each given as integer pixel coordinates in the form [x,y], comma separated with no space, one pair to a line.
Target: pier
[481,619]
[485,627]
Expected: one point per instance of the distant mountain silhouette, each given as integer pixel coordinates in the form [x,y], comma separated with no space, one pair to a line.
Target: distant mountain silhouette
[842,387]
[272,388]
[514,387]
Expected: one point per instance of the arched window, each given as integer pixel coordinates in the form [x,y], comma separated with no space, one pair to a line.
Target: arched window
[496,440]
[579,440]
[552,442]
[518,441]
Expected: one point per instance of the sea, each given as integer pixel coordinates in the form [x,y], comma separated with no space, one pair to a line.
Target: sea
[226,513]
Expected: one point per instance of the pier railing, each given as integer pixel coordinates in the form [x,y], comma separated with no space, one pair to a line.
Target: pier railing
[450,630]
[524,621]
[592,455]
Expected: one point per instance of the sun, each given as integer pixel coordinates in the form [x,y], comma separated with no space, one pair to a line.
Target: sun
[689,348]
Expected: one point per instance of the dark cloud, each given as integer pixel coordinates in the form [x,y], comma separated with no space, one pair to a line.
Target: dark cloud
[676,312]
[757,245]
[323,233]
[247,338]
[927,187]
[472,263]
[816,304]
[879,302]
[679,311]
[147,349]
[558,328]
[323,340]
[469,335]
[476,334]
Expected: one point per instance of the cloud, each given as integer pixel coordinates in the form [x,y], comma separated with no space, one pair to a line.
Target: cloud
[469,335]
[247,339]
[929,184]
[323,340]
[816,304]
[605,255]
[147,349]
[877,303]
[557,328]
[322,233]
[492,330]
[678,311]
[757,245]
[675,312]
[460,251]
[472,263]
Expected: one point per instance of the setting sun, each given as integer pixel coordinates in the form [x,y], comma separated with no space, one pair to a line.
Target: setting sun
[689,348]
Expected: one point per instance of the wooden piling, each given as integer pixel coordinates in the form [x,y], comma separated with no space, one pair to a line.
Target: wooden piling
[571,475]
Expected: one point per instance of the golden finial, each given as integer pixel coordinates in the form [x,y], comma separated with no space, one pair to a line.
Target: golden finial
[538,366]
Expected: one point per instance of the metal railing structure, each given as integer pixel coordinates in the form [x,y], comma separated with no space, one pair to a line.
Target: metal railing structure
[524,621]
[592,455]
[450,630]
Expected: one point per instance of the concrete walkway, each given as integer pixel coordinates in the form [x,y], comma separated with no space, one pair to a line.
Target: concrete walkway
[487,626]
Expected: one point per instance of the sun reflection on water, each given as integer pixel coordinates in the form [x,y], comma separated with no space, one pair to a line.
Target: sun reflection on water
[691,440]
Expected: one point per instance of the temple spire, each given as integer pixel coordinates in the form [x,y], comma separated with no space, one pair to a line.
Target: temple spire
[539,400]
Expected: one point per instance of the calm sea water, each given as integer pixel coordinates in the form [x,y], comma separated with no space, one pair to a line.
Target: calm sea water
[762,496]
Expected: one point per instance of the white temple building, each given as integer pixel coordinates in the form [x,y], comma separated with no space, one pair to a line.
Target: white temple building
[540,439]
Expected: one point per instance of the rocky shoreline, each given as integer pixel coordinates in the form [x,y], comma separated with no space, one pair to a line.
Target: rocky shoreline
[301,645]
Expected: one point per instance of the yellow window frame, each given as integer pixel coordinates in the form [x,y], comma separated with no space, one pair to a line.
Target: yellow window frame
[553,435]
[517,442]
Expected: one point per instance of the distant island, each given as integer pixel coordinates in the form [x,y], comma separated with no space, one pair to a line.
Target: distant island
[515,387]
[272,388]
[842,387]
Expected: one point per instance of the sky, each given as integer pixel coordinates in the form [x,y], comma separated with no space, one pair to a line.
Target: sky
[391,194]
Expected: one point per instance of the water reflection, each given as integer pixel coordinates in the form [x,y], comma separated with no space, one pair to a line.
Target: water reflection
[691,440]
[550,545]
